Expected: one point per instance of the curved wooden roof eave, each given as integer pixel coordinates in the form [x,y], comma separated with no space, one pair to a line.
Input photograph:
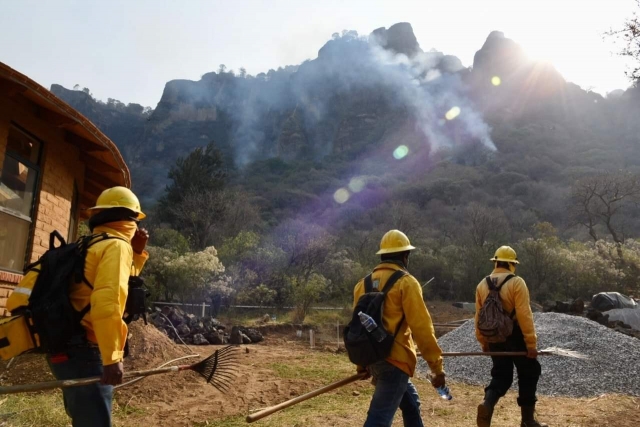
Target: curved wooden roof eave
[62,107]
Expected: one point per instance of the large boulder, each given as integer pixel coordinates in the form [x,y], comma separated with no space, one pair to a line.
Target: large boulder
[254,335]
[245,339]
[236,336]
[183,330]
[176,317]
[214,337]
[199,339]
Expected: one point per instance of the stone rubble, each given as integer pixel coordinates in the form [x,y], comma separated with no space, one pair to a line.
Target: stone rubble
[200,330]
[613,365]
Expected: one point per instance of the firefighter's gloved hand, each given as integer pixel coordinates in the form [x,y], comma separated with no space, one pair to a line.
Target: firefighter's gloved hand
[532,353]
[361,370]
[139,241]
[438,380]
[112,374]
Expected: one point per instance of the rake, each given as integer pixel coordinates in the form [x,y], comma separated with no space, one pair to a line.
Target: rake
[219,369]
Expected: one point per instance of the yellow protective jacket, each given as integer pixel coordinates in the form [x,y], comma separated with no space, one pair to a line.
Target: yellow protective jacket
[405,298]
[108,265]
[514,294]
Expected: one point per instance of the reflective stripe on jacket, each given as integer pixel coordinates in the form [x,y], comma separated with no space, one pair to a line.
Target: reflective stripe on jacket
[405,298]
[514,294]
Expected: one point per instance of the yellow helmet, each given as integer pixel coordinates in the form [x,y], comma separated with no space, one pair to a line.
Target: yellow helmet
[119,197]
[394,241]
[506,254]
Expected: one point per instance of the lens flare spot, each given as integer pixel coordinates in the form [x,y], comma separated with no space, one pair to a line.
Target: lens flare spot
[496,81]
[401,152]
[452,113]
[341,196]
[356,184]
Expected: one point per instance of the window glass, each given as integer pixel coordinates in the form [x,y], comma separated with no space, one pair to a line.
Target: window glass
[14,235]
[22,145]
[17,185]
[18,178]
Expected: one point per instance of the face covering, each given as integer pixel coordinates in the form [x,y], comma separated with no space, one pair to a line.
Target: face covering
[127,228]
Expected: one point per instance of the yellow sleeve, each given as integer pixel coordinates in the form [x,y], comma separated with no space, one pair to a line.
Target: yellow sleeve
[108,299]
[524,314]
[138,262]
[357,293]
[419,321]
[356,296]
[481,339]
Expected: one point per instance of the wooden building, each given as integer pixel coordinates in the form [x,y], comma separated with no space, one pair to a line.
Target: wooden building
[53,165]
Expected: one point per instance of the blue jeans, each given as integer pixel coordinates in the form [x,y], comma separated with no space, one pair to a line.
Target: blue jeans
[393,390]
[89,405]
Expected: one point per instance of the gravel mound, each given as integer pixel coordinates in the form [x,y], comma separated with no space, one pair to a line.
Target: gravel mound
[613,365]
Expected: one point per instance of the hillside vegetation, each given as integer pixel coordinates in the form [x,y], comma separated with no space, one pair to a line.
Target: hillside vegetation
[294,175]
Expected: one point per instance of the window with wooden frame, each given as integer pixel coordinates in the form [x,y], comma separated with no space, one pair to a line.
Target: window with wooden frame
[18,184]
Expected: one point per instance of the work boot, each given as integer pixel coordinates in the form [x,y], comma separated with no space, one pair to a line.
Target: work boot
[485,409]
[529,417]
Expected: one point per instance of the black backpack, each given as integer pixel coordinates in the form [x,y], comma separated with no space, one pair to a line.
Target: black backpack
[52,319]
[362,348]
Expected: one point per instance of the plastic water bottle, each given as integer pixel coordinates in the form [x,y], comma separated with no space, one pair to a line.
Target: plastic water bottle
[444,393]
[370,325]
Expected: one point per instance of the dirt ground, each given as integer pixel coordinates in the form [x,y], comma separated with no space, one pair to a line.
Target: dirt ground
[284,367]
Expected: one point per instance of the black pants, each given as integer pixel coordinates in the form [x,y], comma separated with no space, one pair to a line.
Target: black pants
[502,372]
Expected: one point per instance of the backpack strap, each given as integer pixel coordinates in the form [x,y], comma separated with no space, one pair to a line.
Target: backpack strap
[84,244]
[392,281]
[387,287]
[492,287]
[368,284]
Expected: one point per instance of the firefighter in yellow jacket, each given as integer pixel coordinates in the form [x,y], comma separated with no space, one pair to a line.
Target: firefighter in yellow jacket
[108,265]
[405,309]
[514,295]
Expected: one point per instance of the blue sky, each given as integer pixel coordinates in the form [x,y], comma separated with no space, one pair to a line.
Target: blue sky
[128,50]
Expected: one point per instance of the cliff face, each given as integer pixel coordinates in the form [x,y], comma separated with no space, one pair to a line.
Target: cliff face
[354,98]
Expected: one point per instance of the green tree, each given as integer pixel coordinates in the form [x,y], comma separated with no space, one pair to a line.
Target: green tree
[629,34]
[170,239]
[305,293]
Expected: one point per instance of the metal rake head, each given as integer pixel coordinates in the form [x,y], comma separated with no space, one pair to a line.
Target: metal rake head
[219,369]
[557,351]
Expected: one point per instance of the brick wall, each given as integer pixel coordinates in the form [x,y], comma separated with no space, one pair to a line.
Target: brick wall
[53,209]
[60,168]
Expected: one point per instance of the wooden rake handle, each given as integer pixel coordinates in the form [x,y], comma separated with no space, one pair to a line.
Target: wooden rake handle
[270,410]
[492,353]
[49,385]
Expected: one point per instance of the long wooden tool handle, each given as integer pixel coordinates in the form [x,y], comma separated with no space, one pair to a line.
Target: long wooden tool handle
[49,385]
[492,353]
[270,410]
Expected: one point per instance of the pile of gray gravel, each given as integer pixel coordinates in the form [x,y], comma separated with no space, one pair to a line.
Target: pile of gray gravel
[613,365]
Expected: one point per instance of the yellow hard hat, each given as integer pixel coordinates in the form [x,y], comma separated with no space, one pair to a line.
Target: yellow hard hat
[506,254]
[394,241]
[119,197]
